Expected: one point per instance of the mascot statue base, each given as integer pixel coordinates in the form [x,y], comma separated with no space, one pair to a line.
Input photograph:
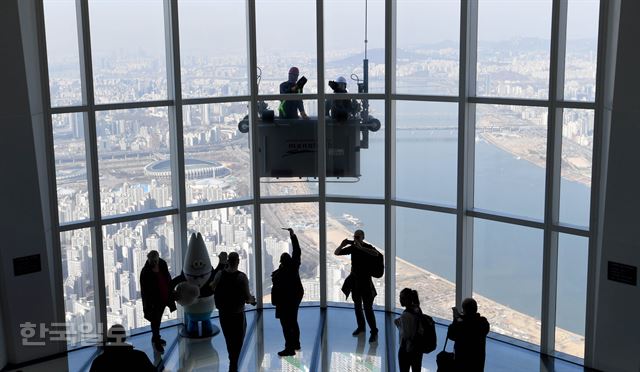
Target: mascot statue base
[208,329]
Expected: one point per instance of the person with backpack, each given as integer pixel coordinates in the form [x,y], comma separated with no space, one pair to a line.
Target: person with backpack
[286,295]
[366,262]
[417,332]
[231,292]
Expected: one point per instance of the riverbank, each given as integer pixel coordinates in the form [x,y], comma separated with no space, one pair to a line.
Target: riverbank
[533,149]
[437,296]
[437,293]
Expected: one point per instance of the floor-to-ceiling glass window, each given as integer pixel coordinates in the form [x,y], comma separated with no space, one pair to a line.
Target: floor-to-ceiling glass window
[154,137]
[426,123]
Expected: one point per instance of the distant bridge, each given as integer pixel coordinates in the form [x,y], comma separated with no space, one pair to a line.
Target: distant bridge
[143,154]
[483,129]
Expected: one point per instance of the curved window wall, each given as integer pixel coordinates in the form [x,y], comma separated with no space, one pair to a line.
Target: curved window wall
[476,176]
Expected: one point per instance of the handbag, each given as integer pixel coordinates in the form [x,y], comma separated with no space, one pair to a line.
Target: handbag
[445,359]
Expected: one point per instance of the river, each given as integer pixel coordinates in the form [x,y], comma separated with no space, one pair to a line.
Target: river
[507,258]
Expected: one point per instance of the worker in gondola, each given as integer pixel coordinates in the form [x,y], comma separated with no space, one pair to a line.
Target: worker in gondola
[339,109]
[289,109]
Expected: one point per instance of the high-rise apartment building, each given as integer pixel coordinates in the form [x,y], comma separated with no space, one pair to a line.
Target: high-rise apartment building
[490,155]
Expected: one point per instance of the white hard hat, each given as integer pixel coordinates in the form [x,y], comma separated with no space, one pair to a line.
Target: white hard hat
[341,79]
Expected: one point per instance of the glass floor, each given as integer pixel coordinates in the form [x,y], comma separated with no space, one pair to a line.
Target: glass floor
[327,345]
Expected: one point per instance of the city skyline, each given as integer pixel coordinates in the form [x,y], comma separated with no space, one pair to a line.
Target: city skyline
[129,141]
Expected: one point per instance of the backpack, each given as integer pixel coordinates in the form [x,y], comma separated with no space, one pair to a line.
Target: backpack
[377,266]
[425,340]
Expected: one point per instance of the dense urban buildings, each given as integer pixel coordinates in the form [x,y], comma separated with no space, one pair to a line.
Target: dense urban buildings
[481,175]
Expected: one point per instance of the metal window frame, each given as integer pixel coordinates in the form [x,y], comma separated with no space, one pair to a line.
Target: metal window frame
[52,208]
[466,148]
[95,212]
[552,179]
[608,25]
[253,143]
[176,129]
[464,207]
[390,44]
[390,213]
[321,165]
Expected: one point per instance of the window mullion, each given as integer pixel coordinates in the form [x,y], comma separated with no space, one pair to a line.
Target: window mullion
[253,146]
[86,68]
[390,155]
[321,145]
[552,181]
[609,15]
[52,197]
[174,89]
[466,148]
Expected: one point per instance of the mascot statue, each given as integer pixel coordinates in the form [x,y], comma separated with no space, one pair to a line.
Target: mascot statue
[192,289]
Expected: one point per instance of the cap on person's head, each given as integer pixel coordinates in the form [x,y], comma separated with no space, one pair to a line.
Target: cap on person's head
[116,334]
[233,257]
[469,306]
[294,71]
[341,80]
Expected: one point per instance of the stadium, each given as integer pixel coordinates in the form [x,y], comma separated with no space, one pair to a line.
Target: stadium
[194,169]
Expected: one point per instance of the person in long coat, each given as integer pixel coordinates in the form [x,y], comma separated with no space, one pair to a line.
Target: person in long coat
[286,295]
[156,295]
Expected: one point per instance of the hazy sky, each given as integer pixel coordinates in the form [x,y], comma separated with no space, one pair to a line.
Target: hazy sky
[219,26]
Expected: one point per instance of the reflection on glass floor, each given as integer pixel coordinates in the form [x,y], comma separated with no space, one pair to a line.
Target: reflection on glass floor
[327,345]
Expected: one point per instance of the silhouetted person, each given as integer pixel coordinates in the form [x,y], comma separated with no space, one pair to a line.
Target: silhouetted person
[469,331]
[231,292]
[154,289]
[120,356]
[339,109]
[286,295]
[409,355]
[288,109]
[359,282]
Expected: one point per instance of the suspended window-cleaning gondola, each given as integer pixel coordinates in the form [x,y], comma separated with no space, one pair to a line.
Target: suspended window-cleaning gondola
[288,147]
